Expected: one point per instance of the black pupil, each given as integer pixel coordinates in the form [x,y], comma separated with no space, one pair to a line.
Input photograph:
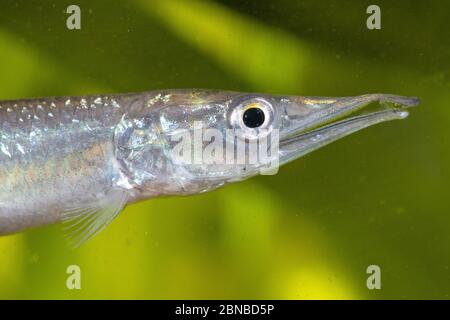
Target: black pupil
[253,117]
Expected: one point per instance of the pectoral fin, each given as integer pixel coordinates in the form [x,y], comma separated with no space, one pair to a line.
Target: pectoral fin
[84,221]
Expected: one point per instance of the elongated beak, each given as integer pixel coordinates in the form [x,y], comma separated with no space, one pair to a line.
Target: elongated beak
[311,123]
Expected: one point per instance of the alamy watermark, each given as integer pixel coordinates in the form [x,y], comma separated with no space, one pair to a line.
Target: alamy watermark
[374,280]
[374,20]
[232,147]
[73,281]
[73,22]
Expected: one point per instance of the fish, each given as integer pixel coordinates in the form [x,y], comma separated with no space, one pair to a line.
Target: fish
[80,160]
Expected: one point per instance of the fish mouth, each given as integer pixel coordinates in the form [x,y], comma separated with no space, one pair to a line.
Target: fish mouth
[315,122]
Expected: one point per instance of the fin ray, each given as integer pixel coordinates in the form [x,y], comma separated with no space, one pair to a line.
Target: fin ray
[81,223]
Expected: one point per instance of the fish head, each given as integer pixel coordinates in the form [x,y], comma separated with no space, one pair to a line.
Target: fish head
[202,140]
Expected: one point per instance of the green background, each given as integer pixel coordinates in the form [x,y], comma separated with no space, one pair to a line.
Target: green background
[380,196]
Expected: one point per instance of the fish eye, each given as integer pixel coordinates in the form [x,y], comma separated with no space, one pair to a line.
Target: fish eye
[253,117]
[251,114]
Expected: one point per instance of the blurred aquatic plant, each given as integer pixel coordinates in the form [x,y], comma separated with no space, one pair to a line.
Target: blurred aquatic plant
[13,256]
[250,50]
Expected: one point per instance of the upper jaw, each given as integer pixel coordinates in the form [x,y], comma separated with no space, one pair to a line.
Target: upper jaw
[310,123]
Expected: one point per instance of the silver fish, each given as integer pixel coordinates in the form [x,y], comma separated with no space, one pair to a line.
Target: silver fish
[83,159]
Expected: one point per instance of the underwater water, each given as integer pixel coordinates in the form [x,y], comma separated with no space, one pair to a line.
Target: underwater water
[378,197]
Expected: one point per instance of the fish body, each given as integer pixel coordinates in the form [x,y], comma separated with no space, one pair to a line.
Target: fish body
[53,152]
[82,159]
